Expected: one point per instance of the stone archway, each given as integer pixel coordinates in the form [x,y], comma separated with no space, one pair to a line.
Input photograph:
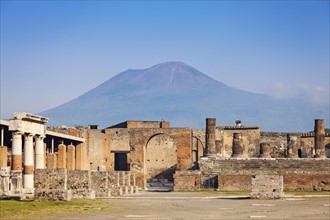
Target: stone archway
[160,160]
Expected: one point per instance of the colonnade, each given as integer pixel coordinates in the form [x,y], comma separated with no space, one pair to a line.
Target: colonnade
[238,147]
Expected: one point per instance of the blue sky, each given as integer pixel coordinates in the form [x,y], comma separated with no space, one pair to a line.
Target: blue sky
[54,51]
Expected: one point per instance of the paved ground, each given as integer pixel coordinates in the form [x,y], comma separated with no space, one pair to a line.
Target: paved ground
[173,205]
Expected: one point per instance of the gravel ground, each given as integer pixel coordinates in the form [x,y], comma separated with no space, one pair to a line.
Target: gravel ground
[174,205]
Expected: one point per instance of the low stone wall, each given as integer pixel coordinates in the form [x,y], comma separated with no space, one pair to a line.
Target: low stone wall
[258,165]
[302,181]
[310,182]
[187,180]
[61,184]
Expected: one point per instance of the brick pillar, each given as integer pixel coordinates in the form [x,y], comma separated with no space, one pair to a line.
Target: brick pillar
[292,149]
[71,158]
[238,147]
[3,156]
[79,157]
[61,156]
[210,136]
[319,138]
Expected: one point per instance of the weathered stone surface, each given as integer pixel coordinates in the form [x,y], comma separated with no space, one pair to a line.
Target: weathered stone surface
[4,180]
[53,194]
[319,182]
[99,182]
[79,179]
[51,179]
[267,186]
[187,180]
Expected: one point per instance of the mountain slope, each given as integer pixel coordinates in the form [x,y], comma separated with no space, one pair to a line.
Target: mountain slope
[181,94]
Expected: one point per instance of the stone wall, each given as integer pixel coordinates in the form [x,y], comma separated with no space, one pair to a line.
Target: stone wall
[61,184]
[234,182]
[174,151]
[293,181]
[256,165]
[187,180]
[250,135]
[233,174]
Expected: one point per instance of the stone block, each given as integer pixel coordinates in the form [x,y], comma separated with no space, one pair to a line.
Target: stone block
[267,186]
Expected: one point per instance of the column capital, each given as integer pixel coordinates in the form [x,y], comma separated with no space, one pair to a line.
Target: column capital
[29,135]
[17,132]
[39,137]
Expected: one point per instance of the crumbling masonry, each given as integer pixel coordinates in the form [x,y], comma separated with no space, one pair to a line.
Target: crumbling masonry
[152,153]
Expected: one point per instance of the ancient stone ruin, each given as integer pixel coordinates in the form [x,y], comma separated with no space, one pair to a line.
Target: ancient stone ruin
[43,162]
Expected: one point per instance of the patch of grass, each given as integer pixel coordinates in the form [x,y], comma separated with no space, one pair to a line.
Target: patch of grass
[12,209]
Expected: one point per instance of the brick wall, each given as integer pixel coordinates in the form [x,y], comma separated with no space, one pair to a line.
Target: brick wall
[187,180]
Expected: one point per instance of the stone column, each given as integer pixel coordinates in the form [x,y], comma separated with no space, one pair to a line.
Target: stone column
[28,177]
[319,138]
[3,156]
[61,157]
[51,161]
[265,150]
[210,136]
[2,136]
[71,158]
[79,157]
[40,160]
[238,147]
[292,148]
[16,154]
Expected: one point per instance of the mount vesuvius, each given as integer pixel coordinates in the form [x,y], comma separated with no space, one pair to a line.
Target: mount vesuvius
[178,93]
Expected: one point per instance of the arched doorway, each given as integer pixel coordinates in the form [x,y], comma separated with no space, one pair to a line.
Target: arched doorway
[160,162]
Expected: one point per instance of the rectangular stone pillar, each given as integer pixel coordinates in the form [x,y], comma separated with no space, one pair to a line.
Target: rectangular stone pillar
[3,156]
[61,156]
[71,158]
[267,186]
[51,161]
[79,157]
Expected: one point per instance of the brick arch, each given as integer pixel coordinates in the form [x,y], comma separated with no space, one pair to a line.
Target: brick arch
[160,158]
